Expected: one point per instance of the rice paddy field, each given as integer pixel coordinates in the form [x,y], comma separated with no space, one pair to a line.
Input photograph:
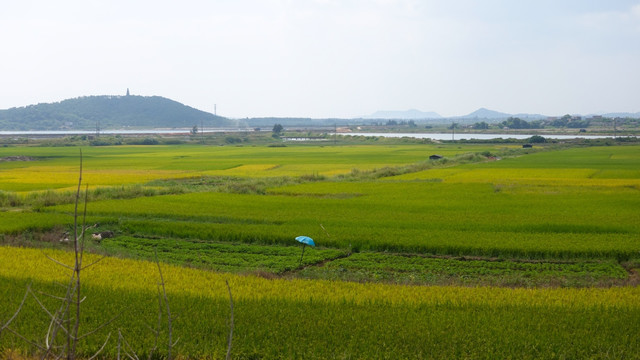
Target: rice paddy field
[491,252]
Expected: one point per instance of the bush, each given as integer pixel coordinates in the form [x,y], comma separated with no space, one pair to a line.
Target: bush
[232,140]
[537,139]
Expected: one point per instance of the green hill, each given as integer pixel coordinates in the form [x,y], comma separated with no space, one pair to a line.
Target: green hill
[110,112]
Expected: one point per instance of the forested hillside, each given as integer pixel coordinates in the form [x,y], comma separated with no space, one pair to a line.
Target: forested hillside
[108,112]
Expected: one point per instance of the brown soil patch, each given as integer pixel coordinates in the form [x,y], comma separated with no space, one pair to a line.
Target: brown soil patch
[17,158]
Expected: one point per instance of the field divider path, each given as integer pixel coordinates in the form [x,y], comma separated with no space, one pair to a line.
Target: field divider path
[318,264]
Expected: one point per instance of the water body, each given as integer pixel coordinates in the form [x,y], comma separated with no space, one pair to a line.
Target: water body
[466,136]
[433,136]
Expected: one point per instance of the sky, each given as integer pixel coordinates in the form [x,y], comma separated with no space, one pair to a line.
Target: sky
[327,58]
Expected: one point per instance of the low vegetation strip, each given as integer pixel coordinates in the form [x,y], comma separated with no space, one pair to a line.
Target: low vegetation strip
[220,256]
[411,269]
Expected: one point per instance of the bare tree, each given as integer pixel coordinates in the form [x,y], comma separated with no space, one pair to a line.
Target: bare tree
[65,319]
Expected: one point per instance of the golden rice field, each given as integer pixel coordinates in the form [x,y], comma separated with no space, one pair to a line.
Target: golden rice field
[57,168]
[316,319]
[130,275]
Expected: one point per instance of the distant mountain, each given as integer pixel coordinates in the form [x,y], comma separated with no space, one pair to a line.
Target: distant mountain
[411,114]
[487,114]
[622,115]
[483,113]
[530,116]
[110,112]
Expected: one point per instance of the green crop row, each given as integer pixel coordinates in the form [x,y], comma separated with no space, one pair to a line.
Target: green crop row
[423,217]
[428,270]
[220,256]
[15,222]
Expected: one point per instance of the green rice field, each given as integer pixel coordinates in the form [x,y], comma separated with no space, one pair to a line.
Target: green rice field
[493,251]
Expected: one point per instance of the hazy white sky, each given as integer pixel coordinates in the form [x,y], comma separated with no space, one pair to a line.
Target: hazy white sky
[327,58]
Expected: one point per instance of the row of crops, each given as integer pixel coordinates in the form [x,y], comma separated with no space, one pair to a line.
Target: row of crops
[229,257]
[447,219]
[367,266]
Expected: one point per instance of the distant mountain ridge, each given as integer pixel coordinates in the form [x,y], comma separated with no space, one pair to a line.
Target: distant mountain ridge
[411,114]
[482,113]
[486,114]
[622,115]
[107,112]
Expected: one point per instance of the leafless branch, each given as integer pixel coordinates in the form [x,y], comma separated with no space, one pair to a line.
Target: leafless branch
[24,298]
[24,338]
[166,302]
[72,339]
[325,230]
[100,327]
[52,296]
[230,322]
[67,317]
[52,316]
[84,224]
[101,348]
[60,284]
[46,338]
[156,331]
[60,263]
[131,355]
[93,263]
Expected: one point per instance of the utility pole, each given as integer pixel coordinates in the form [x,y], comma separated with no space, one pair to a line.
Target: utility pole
[98,126]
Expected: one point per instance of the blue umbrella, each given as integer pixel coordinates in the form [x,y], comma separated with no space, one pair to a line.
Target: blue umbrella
[305,240]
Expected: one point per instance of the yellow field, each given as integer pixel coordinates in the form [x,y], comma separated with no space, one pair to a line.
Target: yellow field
[127,275]
[555,177]
[66,177]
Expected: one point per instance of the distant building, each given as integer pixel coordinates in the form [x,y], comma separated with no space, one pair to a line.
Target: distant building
[127,91]
[527,146]
[435,157]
